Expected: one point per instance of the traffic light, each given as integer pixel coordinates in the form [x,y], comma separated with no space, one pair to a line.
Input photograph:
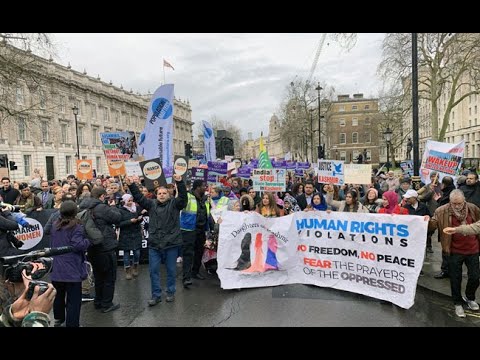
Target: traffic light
[12,165]
[321,152]
[188,150]
[3,160]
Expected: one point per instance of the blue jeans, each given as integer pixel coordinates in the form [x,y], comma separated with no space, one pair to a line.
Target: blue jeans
[126,257]
[169,257]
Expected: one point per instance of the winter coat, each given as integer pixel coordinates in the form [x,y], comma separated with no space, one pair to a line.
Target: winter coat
[441,219]
[104,217]
[164,218]
[130,233]
[69,267]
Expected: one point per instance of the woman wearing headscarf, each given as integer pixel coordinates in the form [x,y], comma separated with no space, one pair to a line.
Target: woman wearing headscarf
[290,204]
[390,204]
[130,235]
[371,201]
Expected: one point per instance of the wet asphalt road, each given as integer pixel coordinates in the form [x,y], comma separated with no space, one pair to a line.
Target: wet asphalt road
[205,304]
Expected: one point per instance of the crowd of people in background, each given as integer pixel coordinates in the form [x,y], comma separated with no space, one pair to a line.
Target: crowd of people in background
[185,220]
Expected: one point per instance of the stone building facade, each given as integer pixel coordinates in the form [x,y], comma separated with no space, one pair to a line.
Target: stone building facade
[352,127]
[44,138]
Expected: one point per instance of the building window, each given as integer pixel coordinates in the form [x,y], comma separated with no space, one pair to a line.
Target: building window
[80,135]
[475,110]
[355,138]
[105,115]
[27,164]
[367,107]
[68,164]
[354,107]
[354,121]
[20,97]
[98,165]
[63,130]
[117,117]
[368,137]
[62,104]
[342,122]
[93,111]
[343,155]
[44,126]
[84,157]
[343,138]
[42,99]
[94,135]
[470,111]
[341,108]
[21,128]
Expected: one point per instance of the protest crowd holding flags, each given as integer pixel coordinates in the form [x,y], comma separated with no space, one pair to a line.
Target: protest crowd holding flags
[293,220]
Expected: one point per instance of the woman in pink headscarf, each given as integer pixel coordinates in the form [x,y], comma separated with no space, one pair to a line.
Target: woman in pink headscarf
[390,205]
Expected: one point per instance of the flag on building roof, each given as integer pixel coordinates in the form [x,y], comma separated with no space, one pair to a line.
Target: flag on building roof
[167,64]
[263,158]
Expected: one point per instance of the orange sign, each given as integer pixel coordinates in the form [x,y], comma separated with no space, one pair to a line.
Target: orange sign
[116,167]
[84,169]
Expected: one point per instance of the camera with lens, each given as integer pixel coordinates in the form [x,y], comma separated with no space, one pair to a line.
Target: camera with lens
[43,286]
[13,272]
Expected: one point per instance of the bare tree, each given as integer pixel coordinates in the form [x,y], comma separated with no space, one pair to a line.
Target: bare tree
[24,86]
[448,66]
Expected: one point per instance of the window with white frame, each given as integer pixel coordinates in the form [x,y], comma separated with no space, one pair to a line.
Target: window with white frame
[94,135]
[117,117]
[354,121]
[106,118]
[20,95]
[354,107]
[93,111]
[367,107]
[341,108]
[355,154]
[342,122]
[64,133]
[343,138]
[98,164]
[355,138]
[22,128]
[343,155]
[68,164]
[81,135]
[27,165]
[44,126]
[62,104]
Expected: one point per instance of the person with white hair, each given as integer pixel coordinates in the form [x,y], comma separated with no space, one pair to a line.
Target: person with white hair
[130,239]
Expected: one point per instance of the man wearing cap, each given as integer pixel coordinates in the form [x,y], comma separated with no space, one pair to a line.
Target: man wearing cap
[194,222]
[413,206]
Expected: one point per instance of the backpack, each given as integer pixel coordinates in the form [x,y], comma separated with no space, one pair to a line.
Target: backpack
[92,231]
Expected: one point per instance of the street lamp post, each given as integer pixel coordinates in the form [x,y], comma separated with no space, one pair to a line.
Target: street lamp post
[75,112]
[318,88]
[387,134]
[311,133]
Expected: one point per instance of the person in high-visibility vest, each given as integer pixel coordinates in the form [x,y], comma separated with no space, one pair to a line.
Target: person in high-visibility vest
[194,222]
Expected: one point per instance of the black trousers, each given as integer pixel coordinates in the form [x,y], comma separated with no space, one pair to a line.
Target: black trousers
[104,267]
[68,302]
[192,249]
[455,270]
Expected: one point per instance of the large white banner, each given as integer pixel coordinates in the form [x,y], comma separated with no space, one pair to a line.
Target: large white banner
[156,140]
[209,141]
[358,173]
[444,158]
[372,254]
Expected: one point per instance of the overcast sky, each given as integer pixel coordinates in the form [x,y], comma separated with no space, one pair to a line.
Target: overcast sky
[236,77]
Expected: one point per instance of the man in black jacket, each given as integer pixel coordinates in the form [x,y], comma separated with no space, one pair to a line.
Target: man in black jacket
[7,192]
[103,256]
[164,236]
